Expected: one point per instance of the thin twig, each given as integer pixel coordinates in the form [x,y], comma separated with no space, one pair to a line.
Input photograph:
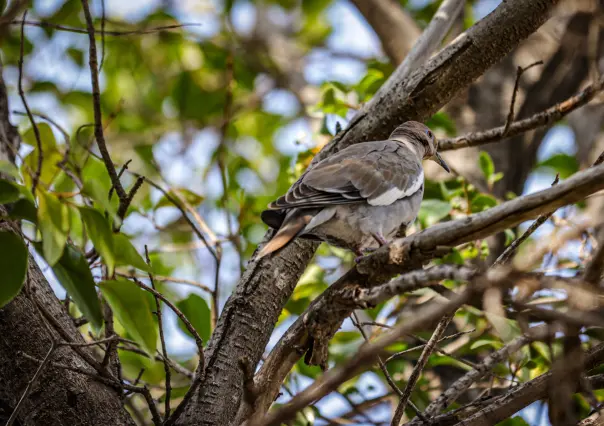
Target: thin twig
[519,72]
[162,340]
[96,103]
[152,30]
[179,314]
[226,119]
[419,366]
[389,379]
[174,280]
[123,207]
[103,18]
[119,176]
[511,249]
[36,176]
[541,119]
[31,383]
[417,348]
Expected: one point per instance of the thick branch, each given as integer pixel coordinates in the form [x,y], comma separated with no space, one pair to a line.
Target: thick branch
[323,318]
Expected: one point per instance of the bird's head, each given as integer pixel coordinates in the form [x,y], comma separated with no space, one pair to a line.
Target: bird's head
[422,138]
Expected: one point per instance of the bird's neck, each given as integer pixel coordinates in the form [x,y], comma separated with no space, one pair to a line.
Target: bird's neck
[415,148]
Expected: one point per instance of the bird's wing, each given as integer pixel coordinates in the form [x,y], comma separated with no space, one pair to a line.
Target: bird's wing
[378,173]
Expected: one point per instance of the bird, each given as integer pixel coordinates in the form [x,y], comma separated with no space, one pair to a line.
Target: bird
[358,198]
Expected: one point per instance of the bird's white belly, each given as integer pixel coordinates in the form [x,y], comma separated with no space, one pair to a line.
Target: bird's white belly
[352,226]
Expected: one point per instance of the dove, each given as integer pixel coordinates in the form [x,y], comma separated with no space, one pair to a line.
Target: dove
[359,198]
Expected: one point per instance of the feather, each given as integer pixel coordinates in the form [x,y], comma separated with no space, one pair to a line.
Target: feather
[293,224]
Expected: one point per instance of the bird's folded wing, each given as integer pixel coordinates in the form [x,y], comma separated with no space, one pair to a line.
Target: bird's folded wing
[379,173]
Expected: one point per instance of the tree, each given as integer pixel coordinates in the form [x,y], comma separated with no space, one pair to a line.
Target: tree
[144,158]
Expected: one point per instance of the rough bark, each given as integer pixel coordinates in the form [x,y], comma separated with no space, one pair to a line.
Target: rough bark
[59,397]
[251,312]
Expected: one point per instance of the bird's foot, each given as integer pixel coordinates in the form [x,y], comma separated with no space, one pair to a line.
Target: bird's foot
[380,239]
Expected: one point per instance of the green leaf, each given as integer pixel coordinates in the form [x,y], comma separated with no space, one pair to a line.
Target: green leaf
[53,223]
[76,227]
[13,264]
[9,192]
[24,209]
[443,121]
[9,169]
[126,254]
[486,164]
[131,306]
[432,211]
[197,311]
[97,184]
[101,235]
[482,202]
[484,342]
[74,275]
[50,155]
[509,237]
[543,350]
[189,196]
[47,138]
[563,164]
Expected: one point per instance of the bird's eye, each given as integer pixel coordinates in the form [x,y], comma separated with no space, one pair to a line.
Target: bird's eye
[429,133]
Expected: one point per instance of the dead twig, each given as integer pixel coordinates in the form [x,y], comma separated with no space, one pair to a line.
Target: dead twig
[36,176]
[417,370]
[43,24]
[519,72]
[511,249]
[31,383]
[541,119]
[96,104]
[162,340]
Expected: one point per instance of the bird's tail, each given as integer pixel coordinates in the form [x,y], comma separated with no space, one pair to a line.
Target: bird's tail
[292,225]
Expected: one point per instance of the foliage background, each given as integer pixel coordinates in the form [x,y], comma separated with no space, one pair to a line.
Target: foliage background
[227,111]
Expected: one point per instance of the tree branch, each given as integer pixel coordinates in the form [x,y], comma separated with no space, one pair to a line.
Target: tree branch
[541,119]
[521,396]
[322,319]
[252,310]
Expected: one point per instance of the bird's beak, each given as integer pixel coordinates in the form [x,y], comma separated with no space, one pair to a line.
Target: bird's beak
[437,158]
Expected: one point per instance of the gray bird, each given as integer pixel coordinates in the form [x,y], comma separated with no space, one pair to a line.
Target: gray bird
[358,198]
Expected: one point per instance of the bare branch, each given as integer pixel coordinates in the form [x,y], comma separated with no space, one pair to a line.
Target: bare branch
[32,381]
[519,72]
[463,383]
[367,354]
[419,366]
[523,395]
[413,281]
[511,249]
[44,24]
[36,176]
[96,103]
[321,320]
[541,119]
[162,339]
